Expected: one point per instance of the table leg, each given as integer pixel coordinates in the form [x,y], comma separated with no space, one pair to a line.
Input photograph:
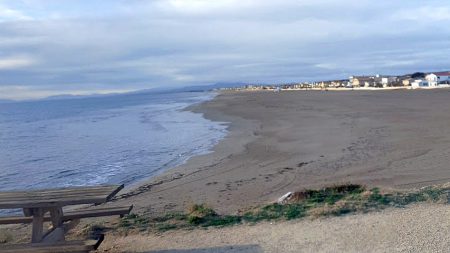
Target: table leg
[38,225]
[56,234]
[56,215]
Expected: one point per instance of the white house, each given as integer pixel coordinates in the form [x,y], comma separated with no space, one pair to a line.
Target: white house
[432,80]
[419,83]
[384,82]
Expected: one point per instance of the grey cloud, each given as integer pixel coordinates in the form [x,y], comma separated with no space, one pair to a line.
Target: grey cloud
[145,44]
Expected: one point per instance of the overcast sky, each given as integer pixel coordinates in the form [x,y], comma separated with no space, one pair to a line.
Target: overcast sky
[80,47]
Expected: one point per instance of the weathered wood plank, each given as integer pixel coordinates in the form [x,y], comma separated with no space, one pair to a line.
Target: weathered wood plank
[38,225]
[114,192]
[59,190]
[50,199]
[68,190]
[42,195]
[15,220]
[98,212]
[58,197]
[72,215]
[39,204]
[64,189]
[60,247]
[53,197]
[56,216]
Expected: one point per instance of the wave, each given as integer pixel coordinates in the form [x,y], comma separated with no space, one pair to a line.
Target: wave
[99,141]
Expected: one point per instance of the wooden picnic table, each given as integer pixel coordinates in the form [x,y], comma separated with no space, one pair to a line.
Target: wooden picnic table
[37,203]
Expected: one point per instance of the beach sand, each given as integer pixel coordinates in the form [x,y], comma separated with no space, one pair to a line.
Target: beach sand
[288,141]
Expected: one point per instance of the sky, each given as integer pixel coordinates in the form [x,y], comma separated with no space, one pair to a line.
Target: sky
[51,47]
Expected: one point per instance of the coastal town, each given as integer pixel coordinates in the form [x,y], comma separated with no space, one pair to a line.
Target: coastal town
[418,80]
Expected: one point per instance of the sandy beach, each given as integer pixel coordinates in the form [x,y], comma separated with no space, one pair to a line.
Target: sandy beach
[289,141]
[281,142]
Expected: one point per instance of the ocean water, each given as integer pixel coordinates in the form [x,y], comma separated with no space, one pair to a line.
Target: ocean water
[100,140]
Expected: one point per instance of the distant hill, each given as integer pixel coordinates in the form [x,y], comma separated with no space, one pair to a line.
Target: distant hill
[210,87]
[196,88]
[70,96]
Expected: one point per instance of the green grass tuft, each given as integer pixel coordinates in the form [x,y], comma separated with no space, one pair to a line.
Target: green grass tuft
[329,201]
[201,214]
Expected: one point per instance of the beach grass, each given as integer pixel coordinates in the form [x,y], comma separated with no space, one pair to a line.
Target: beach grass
[5,237]
[335,200]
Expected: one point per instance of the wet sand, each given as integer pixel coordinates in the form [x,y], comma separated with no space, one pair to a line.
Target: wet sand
[281,142]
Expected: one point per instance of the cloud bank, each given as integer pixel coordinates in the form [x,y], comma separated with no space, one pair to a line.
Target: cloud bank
[68,46]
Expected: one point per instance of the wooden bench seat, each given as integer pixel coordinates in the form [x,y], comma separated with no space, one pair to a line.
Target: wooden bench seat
[59,247]
[72,215]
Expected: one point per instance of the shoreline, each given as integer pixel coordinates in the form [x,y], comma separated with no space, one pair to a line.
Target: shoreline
[279,144]
[189,108]
[239,134]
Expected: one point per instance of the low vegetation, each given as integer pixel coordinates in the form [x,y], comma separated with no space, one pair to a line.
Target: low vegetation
[5,237]
[330,201]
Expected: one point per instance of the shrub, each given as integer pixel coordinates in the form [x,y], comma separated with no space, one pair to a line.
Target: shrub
[198,213]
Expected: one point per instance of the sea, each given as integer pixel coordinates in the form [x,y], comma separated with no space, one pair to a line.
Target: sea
[111,139]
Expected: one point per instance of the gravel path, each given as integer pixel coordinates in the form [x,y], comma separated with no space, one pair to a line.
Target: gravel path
[418,228]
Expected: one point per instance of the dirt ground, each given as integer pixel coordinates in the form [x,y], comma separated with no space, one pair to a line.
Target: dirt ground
[418,228]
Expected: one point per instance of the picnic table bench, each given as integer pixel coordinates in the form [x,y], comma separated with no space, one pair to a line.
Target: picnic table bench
[58,247]
[36,204]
